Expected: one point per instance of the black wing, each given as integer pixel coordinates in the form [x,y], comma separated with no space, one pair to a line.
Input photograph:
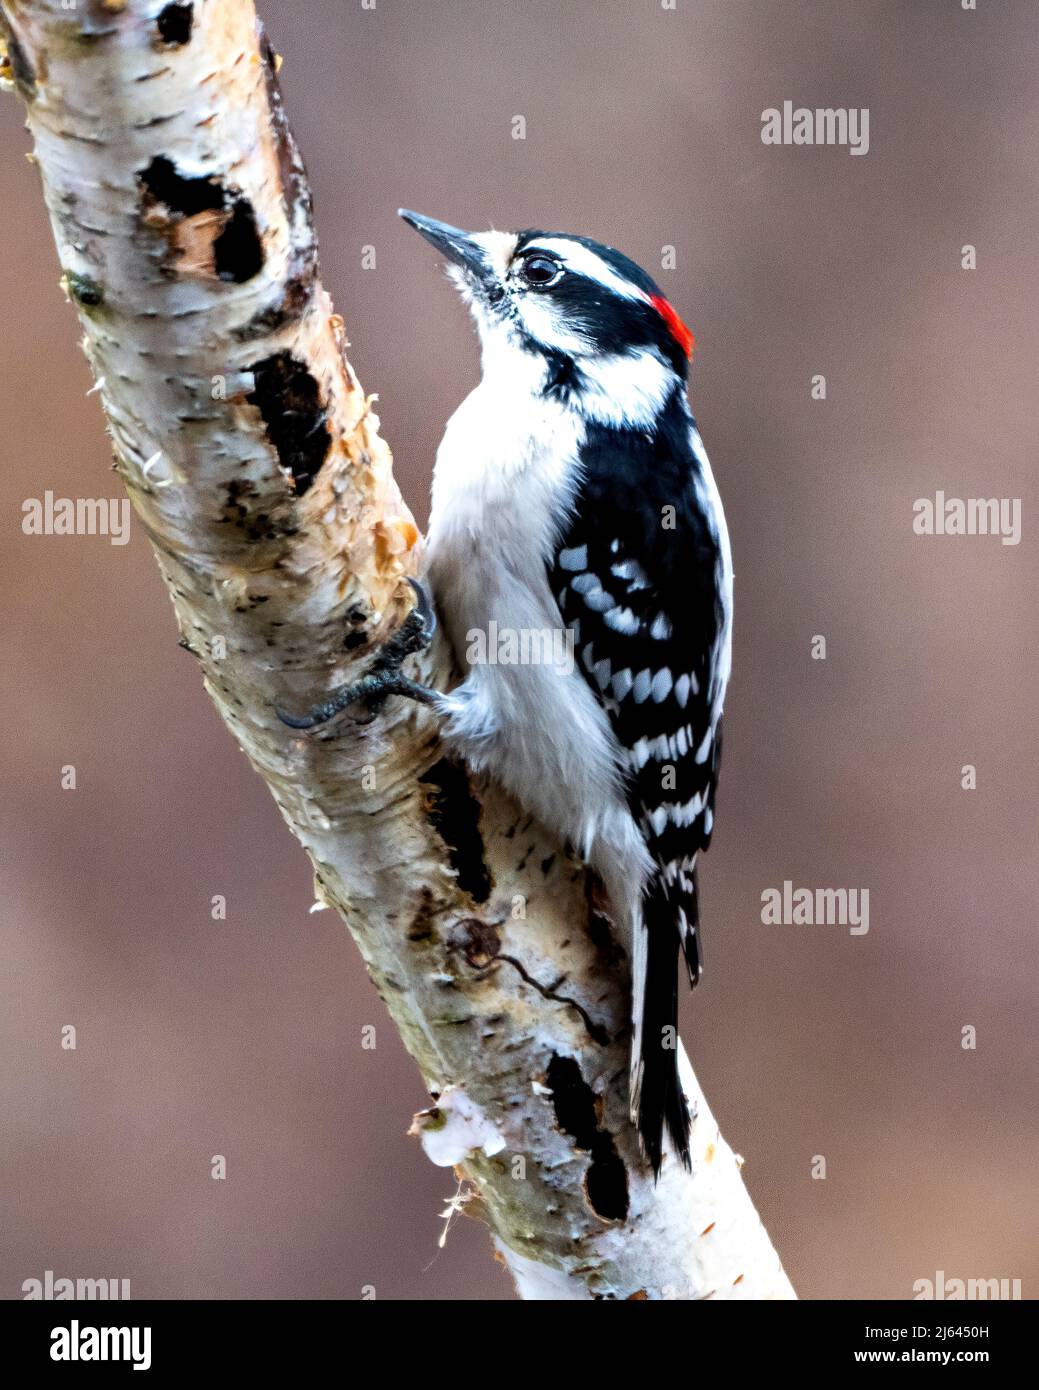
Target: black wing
[638,578]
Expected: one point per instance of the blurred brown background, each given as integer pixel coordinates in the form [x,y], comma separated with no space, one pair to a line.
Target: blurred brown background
[242,1037]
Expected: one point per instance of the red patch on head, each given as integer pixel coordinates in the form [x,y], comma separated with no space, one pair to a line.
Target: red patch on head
[682,336]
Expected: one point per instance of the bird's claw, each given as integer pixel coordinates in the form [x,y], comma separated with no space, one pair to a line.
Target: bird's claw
[425,610]
[384,677]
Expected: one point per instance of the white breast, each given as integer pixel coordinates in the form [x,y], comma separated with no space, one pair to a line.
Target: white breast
[503,486]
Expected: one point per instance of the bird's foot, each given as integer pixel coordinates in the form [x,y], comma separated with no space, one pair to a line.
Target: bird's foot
[384,677]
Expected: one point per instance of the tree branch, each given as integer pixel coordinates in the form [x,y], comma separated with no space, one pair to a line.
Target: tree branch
[182,217]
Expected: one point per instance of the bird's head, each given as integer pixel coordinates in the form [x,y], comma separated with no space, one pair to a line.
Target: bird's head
[567,299]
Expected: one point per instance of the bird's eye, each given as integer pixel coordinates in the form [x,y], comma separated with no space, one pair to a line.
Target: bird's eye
[540,270]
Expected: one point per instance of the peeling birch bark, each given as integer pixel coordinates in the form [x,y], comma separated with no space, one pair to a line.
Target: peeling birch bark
[182,218]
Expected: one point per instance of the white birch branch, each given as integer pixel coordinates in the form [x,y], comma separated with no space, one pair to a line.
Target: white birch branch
[182,219]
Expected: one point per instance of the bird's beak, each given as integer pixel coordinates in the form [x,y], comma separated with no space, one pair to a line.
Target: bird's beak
[460,248]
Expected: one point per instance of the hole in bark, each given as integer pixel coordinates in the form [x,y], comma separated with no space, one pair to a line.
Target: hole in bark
[574,1103]
[237,250]
[455,814]
[289,401]
[181,194]
[175,24]
[237,253]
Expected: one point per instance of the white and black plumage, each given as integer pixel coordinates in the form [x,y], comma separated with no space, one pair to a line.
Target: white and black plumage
[572,491]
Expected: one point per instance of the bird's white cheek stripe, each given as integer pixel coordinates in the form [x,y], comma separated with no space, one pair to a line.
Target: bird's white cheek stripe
[583,261]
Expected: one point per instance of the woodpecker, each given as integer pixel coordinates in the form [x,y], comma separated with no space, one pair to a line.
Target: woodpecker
[572,493]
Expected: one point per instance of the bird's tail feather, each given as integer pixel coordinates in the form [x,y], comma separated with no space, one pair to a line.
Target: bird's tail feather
[686,896]
[657,1099]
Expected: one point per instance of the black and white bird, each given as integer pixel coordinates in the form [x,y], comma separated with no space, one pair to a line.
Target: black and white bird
[572,493]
